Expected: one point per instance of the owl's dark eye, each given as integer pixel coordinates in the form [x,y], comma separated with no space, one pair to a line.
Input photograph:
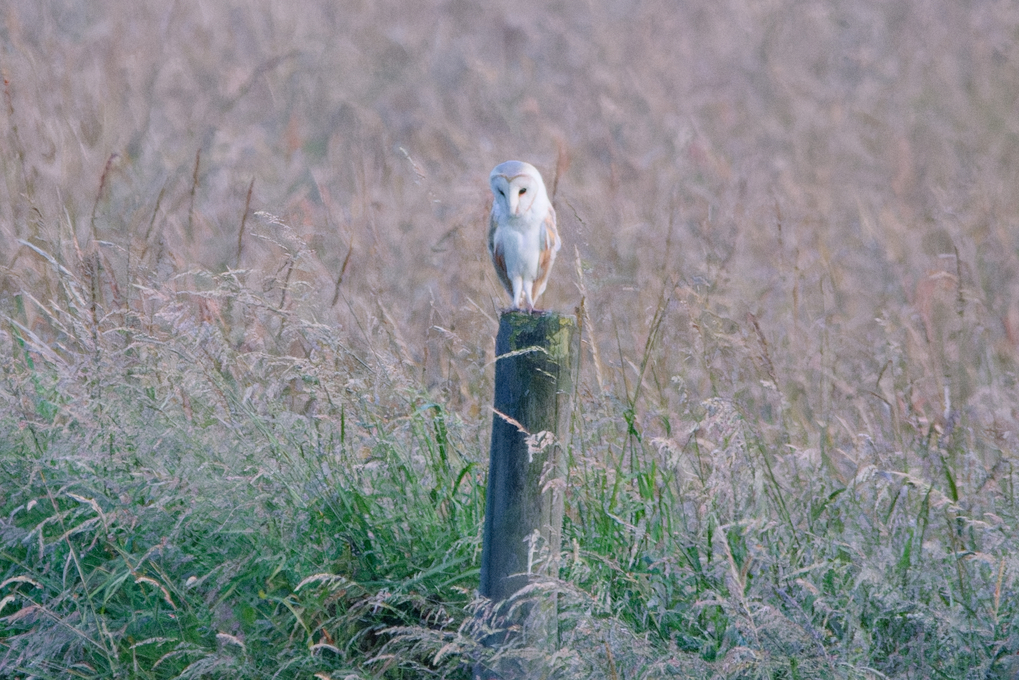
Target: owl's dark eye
[523,191]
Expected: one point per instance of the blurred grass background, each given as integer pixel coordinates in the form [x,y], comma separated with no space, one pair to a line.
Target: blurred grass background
[248,322]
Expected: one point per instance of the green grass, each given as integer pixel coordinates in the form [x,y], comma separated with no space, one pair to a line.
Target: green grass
[177,508]
[149,539]
[247,322]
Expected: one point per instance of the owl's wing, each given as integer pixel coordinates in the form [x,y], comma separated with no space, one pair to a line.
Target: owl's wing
[549,238]
[498,259]
[549,242]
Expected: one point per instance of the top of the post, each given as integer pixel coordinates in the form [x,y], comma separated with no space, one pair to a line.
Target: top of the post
[519,317]
[550,330]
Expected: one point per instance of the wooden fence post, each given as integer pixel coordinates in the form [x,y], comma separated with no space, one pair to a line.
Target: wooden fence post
[536,365]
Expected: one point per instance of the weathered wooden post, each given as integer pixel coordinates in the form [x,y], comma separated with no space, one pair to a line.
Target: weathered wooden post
[535,371]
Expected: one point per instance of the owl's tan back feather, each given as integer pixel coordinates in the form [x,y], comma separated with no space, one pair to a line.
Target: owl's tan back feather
[549,243]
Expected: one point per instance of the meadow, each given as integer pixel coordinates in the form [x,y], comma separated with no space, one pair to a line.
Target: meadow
[247,325]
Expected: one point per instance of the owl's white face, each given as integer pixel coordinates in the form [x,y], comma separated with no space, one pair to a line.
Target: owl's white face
[518,189]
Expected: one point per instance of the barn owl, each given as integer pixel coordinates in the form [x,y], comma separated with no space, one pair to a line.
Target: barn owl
[522,235]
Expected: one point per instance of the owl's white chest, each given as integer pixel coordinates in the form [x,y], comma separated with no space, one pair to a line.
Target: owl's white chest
[517,238]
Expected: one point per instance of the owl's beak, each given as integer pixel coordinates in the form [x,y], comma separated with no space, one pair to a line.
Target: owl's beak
[514,203]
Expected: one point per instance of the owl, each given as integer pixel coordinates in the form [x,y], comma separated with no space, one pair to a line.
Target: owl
[522,235]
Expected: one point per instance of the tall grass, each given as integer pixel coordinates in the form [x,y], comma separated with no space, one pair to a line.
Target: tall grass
[175,507]
[247,322]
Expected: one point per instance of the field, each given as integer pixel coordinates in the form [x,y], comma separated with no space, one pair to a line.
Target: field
[247,325]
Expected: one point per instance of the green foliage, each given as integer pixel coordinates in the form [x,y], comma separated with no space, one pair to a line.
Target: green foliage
[246,541]
[148,533]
